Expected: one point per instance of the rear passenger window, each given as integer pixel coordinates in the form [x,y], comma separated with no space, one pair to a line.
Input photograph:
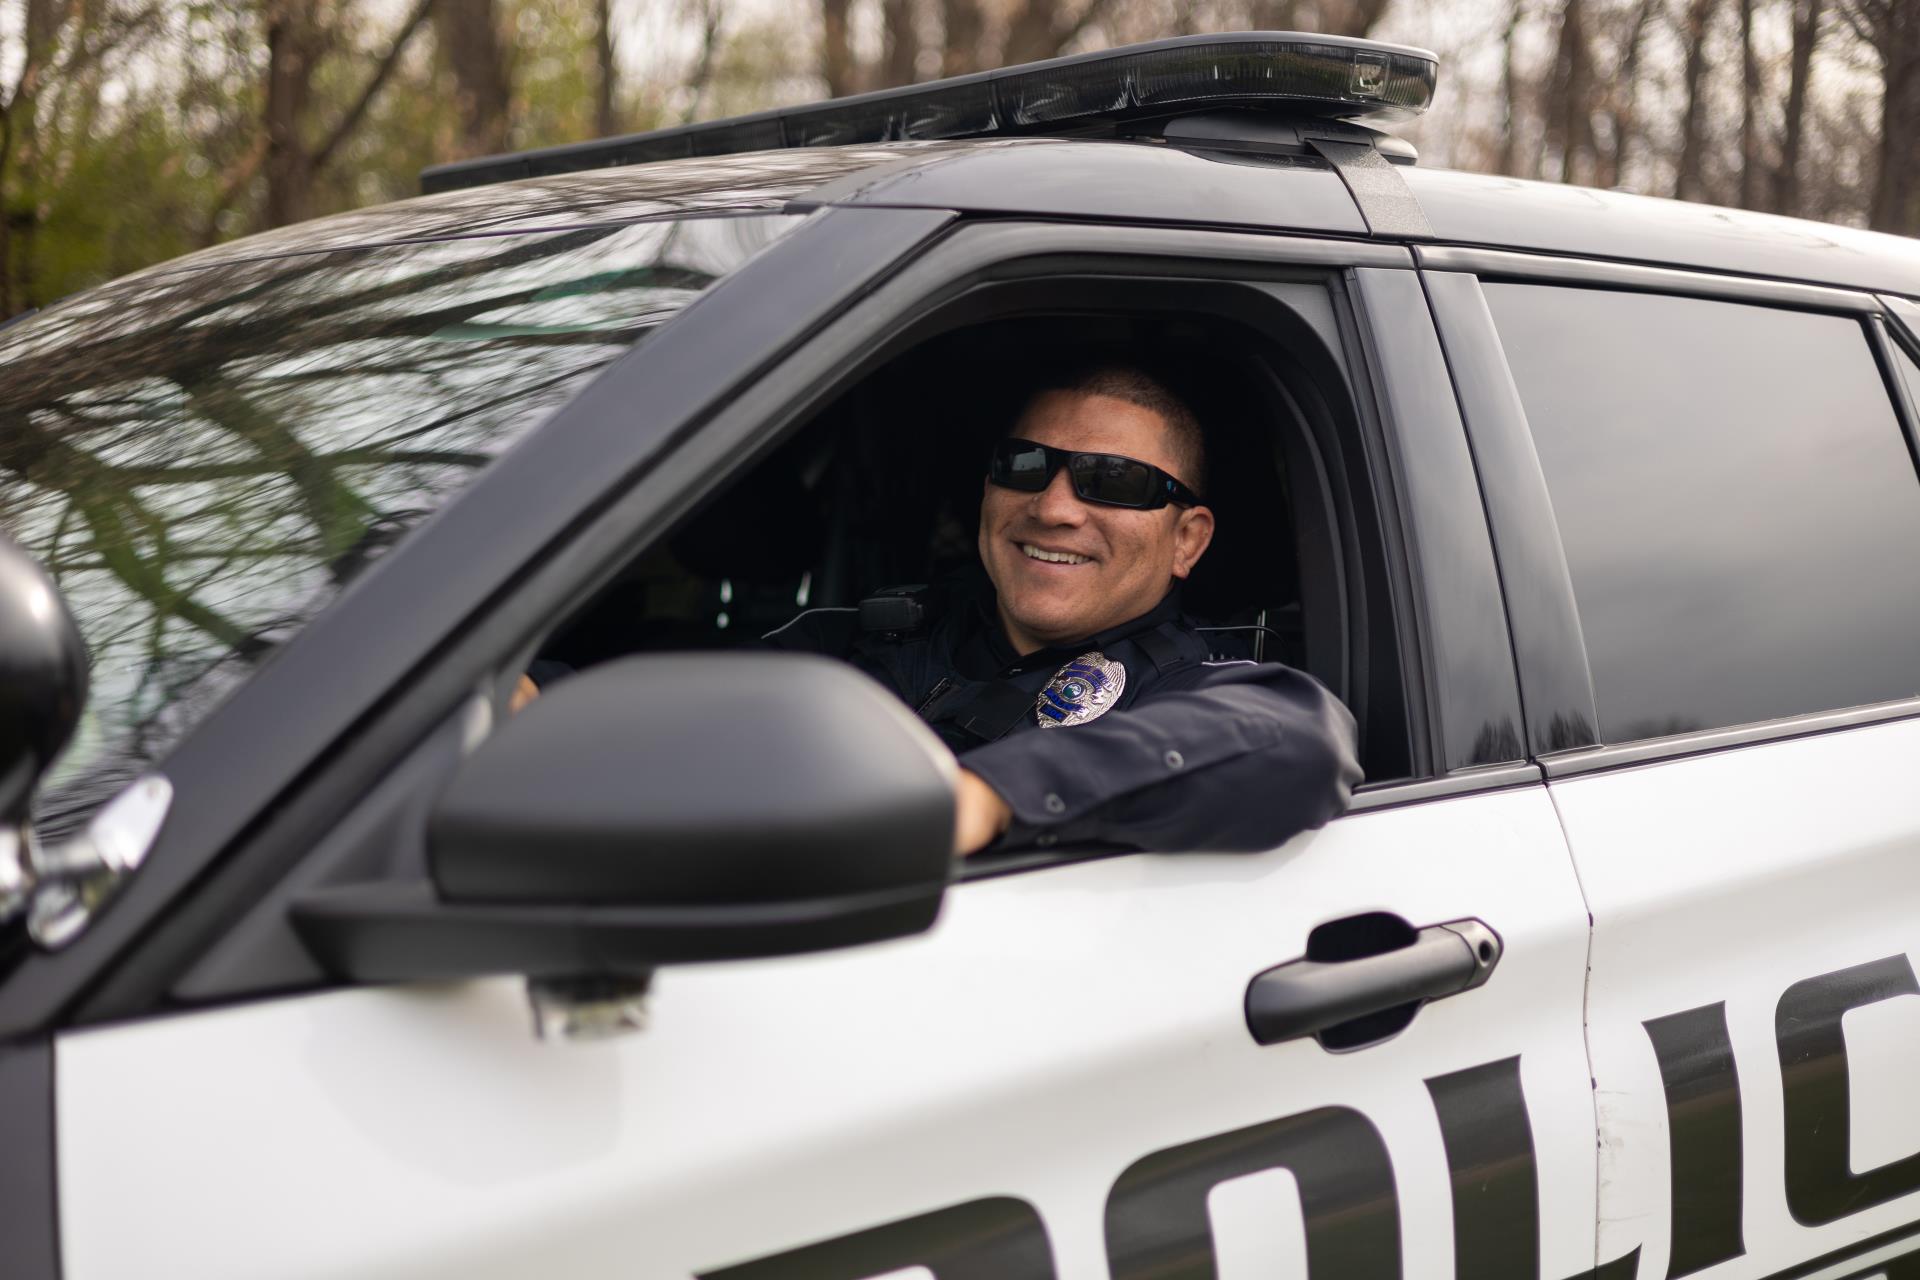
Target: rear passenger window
[1740,512]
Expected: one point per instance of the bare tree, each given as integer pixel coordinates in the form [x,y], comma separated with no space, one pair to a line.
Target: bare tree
[296,41]
[1623,94]
[1891,29]
[1569,102]
[1806,35]
[298,36]
[607,80]
[900,57]
[965,30]
[383,69]
[468,32]
[708,14]
[1689,174]
[18,136]
[1033,29]
[1510,89]
[838,67]
[1750,172]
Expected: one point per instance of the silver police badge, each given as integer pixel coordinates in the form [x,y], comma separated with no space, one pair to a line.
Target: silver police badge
[1085,689]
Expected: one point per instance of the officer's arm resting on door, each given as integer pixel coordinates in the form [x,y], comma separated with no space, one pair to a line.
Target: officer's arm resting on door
[1221,758]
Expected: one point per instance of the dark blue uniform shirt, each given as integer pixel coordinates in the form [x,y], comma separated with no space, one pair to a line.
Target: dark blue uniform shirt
[1201,752]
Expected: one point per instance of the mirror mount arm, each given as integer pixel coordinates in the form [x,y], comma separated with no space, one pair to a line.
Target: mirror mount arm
[589,1007]
[60,889]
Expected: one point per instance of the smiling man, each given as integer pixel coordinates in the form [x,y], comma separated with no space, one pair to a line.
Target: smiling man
[1090,518]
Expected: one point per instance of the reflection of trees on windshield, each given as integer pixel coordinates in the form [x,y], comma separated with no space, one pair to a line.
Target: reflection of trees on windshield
[759,181]
[203,459]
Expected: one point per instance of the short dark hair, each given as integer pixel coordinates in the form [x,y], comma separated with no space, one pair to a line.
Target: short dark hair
[1124,380]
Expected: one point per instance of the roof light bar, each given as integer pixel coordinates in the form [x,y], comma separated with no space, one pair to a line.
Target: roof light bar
[1308,75]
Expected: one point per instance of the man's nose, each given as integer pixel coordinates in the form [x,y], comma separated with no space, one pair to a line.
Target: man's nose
[1058,503]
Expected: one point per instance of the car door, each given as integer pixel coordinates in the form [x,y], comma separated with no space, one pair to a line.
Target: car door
[1062,1078]
[1726,469]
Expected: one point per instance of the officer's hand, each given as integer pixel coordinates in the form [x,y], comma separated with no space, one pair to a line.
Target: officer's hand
[523,693]
[979,815]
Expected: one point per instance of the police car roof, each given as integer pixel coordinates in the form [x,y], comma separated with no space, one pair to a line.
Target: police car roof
[1120,180]
[1132,181]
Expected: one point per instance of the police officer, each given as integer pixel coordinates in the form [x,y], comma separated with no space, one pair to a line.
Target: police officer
[1082,703]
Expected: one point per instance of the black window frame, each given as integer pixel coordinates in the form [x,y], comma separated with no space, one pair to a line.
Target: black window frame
[1549,646]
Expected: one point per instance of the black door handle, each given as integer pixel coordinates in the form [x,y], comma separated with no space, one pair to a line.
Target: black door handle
[1345,1003]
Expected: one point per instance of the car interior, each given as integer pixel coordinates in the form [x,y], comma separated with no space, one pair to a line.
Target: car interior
[881,488]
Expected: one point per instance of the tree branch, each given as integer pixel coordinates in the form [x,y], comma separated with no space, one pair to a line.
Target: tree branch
[710,17]
[238,176]
[351,121]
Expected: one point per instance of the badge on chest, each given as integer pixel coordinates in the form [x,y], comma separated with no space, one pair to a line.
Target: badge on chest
[1085,689]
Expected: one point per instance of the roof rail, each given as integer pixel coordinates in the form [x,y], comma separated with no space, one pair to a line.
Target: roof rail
[1314,76]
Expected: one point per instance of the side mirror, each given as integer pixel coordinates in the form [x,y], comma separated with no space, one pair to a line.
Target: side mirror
[662,809]
[43,686]
[43,678]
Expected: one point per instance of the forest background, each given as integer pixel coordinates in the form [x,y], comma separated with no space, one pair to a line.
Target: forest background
[135,130]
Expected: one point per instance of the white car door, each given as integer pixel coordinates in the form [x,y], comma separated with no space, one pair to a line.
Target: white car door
[1058,1080]
[1747,831]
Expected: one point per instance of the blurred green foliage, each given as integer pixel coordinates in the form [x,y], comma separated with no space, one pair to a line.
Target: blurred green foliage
[134,131]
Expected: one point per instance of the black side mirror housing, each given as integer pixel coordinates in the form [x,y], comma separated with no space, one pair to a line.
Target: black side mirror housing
[43,679]
[664,809]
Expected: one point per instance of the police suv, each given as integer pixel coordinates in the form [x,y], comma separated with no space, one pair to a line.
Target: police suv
[1601,513]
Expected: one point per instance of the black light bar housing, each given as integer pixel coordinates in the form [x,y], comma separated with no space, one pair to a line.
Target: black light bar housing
[1115,91]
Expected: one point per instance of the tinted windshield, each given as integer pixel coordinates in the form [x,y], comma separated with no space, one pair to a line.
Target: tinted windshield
[204,459]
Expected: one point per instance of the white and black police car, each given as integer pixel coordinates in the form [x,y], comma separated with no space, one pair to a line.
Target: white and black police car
[1601,514]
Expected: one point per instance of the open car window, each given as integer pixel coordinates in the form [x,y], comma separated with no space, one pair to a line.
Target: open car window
[203,460]
[881,489]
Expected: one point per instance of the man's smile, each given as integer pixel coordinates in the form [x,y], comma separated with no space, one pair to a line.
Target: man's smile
[1035,552]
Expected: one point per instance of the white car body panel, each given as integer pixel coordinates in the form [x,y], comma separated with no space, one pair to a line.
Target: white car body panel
[1054,1027]
[1731,877]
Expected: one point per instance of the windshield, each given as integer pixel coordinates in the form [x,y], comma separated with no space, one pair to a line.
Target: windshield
[204,459]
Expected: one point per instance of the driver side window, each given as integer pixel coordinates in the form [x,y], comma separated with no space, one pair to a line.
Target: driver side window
[882,487]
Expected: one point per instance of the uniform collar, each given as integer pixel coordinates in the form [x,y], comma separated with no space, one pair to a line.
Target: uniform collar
[986,640]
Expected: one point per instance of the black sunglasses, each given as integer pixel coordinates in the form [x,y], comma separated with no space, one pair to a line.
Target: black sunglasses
[1108,478]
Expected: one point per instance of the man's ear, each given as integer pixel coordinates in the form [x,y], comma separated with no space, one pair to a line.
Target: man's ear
[1191,537]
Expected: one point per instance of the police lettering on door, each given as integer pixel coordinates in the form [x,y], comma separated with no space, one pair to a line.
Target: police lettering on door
[1156,1209]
